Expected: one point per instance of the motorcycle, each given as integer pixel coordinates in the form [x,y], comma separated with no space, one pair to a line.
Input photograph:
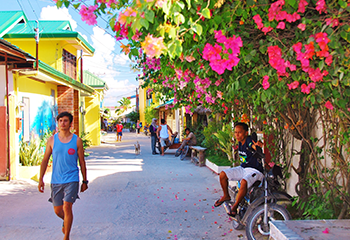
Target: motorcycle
[263,203]
[145,130]
[170,143]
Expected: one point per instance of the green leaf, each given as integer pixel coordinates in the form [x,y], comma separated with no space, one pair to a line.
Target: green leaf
[188,4]
[66,3]
[181,5]
[149,14]
[292,3]
[59,4]
[342,4]
[248,58]
[172,33]
[250,3]
[341,76]
[76,6]
[112,22]
[179,18]
[321,65]
[206,13]
[144,23]
[253,52]
[198,29]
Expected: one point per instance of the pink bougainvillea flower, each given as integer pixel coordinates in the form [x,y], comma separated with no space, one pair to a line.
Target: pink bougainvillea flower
[129,12]
[137,35]
[292,17]
[88,15]
[321,6]
[293,85]
[219,94]
[265,82]
[258,21]
[190,58]
[312,85]
[302,5]
[329,105]
[329,60]
[302,26]
[160,3]
[281,25]
[325,73]
[297,47]
[305,89]
[333,22]
[274,9]
[315,74]
[153,46]
[266,29]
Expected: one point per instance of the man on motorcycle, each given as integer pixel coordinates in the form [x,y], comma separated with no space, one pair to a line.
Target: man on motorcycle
[247,173]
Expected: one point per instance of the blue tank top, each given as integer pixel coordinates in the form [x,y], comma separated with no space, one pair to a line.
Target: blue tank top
[65,161]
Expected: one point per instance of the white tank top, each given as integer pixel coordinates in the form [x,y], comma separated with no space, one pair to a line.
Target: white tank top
[164,131]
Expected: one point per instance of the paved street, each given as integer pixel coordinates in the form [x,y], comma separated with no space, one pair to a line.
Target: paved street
[129,197]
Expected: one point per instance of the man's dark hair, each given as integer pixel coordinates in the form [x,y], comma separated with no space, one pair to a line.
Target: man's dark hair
[187,129]
[65,114]
[243,125]
[162,121]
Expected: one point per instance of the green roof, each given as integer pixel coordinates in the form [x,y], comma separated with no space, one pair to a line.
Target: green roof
[11,26]
[9,19]
[70,81]
[93,81]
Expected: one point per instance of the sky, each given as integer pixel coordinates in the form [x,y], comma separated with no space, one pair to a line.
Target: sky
[108,62]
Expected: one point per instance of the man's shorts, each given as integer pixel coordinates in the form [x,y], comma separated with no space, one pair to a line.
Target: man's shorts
[67,192]
[163,142]
[251,175]
[119,133]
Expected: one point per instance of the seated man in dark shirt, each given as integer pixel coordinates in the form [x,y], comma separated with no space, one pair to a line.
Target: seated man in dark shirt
[249,171]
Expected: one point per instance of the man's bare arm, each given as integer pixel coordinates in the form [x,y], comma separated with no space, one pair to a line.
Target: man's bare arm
[82,163]
[45,162]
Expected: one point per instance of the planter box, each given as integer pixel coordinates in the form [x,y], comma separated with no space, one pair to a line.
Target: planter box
[33,173]
[214,167]
[29,172]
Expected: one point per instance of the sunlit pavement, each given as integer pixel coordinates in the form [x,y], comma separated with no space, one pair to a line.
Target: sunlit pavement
[129,197]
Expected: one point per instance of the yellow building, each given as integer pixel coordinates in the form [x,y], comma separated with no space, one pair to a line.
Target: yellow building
[54,84]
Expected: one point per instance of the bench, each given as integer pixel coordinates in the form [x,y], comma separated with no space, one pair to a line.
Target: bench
[200,159]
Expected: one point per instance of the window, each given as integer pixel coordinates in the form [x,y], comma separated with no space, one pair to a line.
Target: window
[69,64]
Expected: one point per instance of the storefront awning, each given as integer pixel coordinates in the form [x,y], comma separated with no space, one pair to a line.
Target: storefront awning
[166,103]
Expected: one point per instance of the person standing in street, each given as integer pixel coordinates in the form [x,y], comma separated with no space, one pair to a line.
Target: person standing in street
[153,130]
[138,126]
[163,134]
[66,148]
[119,131]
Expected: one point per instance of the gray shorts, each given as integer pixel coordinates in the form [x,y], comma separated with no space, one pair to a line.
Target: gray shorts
[164,142]
[67,192]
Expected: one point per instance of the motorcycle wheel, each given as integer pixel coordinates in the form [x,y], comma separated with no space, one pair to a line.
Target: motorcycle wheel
[255,227]
[184,152]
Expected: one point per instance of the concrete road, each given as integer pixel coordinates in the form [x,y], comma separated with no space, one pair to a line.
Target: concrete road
[129,197]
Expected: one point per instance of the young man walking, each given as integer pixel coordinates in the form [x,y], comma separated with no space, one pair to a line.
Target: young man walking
[163,134]
[248,172]
[66,148]
[119,131]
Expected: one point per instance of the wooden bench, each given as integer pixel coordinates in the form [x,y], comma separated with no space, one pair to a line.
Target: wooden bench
[200,159]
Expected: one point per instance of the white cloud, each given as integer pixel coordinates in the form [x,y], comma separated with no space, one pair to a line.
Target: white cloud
[54,13]
[106,64]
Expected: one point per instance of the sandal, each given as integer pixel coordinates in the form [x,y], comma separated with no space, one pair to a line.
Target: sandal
[232,213]
[218,203]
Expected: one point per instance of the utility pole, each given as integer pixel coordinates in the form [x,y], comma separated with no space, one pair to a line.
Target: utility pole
[37,44]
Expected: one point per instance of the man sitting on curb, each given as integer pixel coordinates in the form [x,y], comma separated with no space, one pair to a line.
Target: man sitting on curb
[190,141]
[249,171]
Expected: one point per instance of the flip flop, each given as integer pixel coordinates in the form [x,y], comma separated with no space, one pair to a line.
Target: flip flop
[218,202]
[232,213]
